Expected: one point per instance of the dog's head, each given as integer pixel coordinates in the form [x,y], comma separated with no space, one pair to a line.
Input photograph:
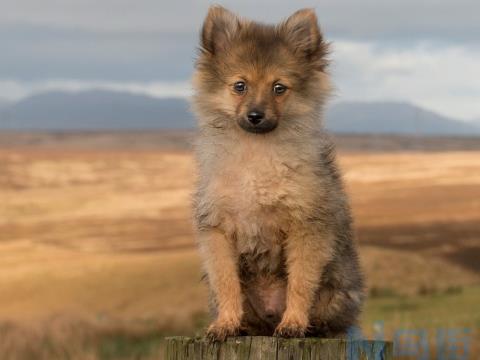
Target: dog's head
[257,77]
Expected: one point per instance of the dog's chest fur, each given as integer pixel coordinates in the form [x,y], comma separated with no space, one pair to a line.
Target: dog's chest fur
[258,193]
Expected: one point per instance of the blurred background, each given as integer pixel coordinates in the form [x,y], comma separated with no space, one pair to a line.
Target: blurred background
[97,256]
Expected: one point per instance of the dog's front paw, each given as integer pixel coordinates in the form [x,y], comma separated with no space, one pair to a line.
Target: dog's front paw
[291,329]
[219,330]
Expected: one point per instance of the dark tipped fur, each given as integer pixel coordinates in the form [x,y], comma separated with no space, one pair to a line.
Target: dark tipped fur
[272,218]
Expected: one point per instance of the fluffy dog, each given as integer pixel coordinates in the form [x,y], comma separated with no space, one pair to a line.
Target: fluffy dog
[272,219]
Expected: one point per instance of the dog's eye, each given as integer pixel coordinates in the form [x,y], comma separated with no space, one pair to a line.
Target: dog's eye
[240,87]
[279,89]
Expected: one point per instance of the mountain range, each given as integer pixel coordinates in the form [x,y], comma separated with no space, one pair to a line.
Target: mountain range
[108,110]
[95,110]
[393,118]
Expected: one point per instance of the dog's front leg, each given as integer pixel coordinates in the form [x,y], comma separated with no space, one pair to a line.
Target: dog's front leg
[307,253]
[221,266]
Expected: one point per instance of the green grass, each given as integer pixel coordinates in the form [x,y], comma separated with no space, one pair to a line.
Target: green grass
[459,308]
[452,308]
[129,347]
[430,311]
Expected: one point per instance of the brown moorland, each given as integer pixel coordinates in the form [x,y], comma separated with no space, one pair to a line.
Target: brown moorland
[96,239]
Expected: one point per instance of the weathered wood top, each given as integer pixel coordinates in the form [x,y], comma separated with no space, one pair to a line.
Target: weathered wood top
[272,348]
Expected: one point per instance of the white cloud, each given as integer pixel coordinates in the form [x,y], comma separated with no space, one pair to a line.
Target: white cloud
[409,19]
[443,79]
[16,90]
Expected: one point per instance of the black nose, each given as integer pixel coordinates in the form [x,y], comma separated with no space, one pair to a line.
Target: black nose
[255,117]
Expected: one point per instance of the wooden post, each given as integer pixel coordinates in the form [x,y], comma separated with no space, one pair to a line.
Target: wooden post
[272,348]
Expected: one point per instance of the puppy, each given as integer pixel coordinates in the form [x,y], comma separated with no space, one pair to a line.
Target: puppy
[272,219]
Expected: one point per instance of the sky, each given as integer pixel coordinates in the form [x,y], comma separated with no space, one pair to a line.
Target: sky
[424,51]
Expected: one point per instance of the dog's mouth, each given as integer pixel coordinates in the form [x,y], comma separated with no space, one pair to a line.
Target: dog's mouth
[262,127]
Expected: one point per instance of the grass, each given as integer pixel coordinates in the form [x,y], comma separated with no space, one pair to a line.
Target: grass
[98,260]
[393,313]
[128,347]
[427,311]
[434,314]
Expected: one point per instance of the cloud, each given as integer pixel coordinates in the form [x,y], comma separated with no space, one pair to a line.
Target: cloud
[438,78]
[16,90]
[419,51]
[33,53]
[410,20]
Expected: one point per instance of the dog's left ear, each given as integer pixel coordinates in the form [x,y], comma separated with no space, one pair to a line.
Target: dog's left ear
[302,32]
[219,29]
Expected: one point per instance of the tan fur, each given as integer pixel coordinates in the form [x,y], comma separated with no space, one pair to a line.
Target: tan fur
[272,219]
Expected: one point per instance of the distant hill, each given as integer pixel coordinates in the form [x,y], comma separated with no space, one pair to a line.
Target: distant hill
[108,110]
[393,118]
[95,110]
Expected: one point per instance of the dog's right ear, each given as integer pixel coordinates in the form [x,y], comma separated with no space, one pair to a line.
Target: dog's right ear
[302,32]
[219,28]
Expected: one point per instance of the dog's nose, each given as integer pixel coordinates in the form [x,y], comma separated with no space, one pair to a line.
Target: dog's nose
[255,117]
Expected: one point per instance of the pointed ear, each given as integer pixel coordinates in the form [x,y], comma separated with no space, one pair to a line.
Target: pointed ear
[219,27]
[303,34]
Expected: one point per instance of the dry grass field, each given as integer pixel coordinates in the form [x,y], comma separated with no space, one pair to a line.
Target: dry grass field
[98,260]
